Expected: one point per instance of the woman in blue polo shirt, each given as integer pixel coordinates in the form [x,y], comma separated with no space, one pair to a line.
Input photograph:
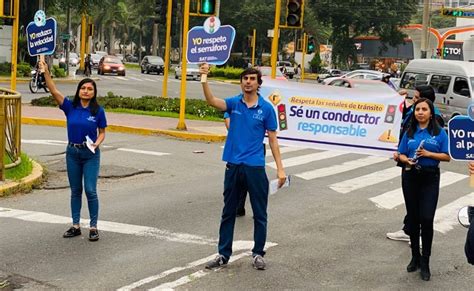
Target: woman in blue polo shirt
[85,118]
[421,149]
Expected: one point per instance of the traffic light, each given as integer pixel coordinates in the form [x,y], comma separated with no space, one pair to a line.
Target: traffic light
[157,11]
[311,45]
[282,117]
[294,13]
[207,7]
[161,9]
[390,115]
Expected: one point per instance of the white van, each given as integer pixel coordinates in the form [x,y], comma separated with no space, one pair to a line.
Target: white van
[453,82]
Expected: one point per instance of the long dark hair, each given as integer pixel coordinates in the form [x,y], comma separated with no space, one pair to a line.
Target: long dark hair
[433,126]
[93,105]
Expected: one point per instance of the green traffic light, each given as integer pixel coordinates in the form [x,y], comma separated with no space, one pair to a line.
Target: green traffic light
[207,6]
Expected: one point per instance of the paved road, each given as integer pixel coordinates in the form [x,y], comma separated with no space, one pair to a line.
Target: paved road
[135,84]
[157,229]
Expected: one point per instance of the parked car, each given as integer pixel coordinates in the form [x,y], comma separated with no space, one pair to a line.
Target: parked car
[330,73]
[359,74]
[361,84]
[286,68]
[152,64]
[95,60]
[131,58]
[267,73]
[192,71]
[73,59]
[111,64]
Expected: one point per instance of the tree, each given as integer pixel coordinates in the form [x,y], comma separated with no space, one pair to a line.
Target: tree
[350,19]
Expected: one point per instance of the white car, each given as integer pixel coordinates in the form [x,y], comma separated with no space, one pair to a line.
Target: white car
[192,71]
[359,74]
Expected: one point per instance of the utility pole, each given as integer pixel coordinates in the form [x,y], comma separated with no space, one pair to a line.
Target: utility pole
[424,33]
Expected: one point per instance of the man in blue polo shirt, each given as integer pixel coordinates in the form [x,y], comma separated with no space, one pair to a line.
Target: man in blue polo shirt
[251,117]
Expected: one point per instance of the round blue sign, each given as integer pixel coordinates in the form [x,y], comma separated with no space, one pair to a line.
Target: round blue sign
[470,111]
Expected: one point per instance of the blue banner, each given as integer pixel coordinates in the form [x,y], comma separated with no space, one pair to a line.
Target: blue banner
[41,40]
[210,43]
[461,138]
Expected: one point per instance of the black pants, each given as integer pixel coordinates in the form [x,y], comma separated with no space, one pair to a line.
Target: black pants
[469,247]
[421,191]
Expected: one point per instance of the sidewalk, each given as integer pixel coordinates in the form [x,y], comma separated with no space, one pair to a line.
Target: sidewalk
[133,124]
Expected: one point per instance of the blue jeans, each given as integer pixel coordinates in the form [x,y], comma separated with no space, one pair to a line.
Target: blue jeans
[83,164]
[238,179]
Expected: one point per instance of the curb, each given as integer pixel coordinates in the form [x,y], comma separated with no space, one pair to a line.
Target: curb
[133,130]
[24,184]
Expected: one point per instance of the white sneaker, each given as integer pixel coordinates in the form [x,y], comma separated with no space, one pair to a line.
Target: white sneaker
[398,235]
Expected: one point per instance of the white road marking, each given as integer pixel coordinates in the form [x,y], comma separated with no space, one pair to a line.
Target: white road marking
[446,217]
[151,80]
[136,79]
[392,199]
[305,159]
[44,142]
[143,152]
[236,246]
[347,186]
[138,230]
[122,78]
[344,167]
[284,150]
[51,142]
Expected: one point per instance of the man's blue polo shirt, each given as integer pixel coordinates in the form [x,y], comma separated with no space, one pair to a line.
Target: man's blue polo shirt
[80,122]
[247,130]
[435,144]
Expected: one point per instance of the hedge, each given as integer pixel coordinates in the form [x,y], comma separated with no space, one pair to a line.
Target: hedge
[146,103]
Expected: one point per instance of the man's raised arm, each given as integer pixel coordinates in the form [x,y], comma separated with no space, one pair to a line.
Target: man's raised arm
[210,98]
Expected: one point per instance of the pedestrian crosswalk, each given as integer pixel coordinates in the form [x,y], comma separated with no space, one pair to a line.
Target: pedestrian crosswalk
[361,177]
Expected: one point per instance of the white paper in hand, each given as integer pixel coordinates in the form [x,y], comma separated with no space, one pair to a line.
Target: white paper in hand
[89,143]
[273,187]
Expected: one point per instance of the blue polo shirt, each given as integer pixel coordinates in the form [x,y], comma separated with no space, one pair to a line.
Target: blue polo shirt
[435,144]
[80,122]
[247,130]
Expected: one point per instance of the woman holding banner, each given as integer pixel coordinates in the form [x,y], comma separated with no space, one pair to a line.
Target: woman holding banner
[421,149]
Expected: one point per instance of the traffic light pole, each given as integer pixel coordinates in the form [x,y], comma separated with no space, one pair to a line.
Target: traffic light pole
[167,49]
[83,41]
[276,34]
[303,53]
[16,20]
[254,41]
[184,61]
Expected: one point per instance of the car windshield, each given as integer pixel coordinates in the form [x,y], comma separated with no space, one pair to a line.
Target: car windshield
[112,61]
[156,60]
[73,55]
[95,57]
[192,66]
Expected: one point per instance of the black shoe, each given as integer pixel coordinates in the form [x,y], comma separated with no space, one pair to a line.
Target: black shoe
[72,232]
[93,235]
[414,264]
[219,261]
[425,268]
[240,212]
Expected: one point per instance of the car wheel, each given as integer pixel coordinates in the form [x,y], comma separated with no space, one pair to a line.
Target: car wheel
[141,70]
[290,76]
[176,76]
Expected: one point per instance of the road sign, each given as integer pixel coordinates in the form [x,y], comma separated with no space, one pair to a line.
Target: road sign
[461,138]
[41,35]
[65,36]
[210,43]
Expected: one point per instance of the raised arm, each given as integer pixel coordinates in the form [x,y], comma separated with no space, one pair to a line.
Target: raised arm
[210,98]
[49,82]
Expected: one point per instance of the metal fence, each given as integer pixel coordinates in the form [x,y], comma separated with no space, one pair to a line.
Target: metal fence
[10,129]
